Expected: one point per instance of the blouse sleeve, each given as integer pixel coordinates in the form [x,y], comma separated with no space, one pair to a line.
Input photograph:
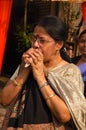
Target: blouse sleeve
[15,73]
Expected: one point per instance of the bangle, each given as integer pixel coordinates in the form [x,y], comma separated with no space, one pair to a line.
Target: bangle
[16,83]
[52,95]
[43,85]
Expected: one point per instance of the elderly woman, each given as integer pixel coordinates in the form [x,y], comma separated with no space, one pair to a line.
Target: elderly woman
[47,91]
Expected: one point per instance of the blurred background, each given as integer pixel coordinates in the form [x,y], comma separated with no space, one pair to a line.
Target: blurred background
[23,14]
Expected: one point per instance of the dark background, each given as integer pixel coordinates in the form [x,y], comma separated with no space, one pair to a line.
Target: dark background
[36,10]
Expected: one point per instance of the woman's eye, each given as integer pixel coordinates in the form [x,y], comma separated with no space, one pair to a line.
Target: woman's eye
[82,41]
[42,41]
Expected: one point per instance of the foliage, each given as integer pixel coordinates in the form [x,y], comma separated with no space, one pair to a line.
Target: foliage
[23,38]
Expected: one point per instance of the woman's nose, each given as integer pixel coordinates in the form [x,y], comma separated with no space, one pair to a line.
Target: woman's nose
[36,44]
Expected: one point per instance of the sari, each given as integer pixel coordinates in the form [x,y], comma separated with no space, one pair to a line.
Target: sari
[67,83]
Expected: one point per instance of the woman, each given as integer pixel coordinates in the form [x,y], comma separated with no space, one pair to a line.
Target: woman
[42,94]
[80,60]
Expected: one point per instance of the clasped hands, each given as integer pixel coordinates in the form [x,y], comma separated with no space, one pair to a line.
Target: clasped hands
[34,58]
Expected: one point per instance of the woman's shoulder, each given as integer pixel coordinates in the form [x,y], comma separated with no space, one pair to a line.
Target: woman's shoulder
[69,68]
[73,68]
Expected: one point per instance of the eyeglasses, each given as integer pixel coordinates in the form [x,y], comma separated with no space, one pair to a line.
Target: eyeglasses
[82,41]
[33,39]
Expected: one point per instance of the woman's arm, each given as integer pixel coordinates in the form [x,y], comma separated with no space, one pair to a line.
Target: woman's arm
[57,106]
[14,85]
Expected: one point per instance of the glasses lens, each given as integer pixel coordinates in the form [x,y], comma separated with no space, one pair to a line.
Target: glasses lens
[32,39]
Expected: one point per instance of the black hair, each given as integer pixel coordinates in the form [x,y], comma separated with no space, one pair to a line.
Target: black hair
[69,44]
[57,29]
[83,32]
[64,55]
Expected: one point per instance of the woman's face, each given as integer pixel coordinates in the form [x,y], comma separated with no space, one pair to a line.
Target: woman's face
[82,44]
[42,40]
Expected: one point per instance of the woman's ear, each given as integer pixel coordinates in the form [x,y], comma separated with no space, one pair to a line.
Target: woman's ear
[59,45]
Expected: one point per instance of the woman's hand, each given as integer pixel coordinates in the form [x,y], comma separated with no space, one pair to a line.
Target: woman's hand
[26,57]
[34,57]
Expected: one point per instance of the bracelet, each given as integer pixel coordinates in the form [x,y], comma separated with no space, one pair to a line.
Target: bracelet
[16,83]
[52,95]
[43,85]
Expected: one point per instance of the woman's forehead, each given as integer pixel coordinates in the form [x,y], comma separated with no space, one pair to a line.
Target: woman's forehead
[39,28]
[83,36]
[40,31]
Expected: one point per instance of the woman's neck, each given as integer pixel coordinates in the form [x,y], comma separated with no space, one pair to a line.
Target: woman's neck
[54,62]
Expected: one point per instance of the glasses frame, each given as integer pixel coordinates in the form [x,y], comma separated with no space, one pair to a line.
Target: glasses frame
[33,39]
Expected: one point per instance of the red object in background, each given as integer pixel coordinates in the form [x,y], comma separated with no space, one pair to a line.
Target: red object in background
[84,11]
[5,12]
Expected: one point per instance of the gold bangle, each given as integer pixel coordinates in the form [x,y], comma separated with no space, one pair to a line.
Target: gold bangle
[16,83]
[43,85]
[52,95]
